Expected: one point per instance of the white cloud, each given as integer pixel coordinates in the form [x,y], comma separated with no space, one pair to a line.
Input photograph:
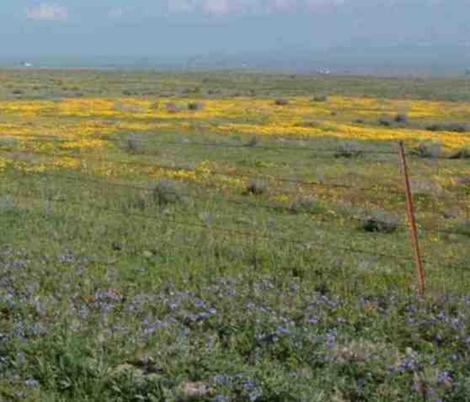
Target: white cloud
[317,5]
[47,12]
[224,7]
[219,7]
[119,12]
[283,5]
[211,7]
[181,6]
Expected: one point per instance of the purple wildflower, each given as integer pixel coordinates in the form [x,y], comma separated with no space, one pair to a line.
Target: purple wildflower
[199,303]
[312,320]
[151,328]
[253,391]
[444,378]
[31,383]
[221,398]
[331,338]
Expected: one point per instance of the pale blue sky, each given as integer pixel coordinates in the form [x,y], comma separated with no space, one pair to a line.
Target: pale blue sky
[186,27]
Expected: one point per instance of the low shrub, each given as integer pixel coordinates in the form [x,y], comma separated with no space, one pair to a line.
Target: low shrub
[125,379]
[319,98]
[8,143]
[167,192]
[253,142]
[123,107]
[172,108]
[303,204]
[134,145]
[463,153]
[7,203]
[380,222]
[256,187]
[281,102]
[427,150]
[463,181]
[195,106]
[463,228]
[385,121]
[348,150]
[425,187]
[309,123]
[453,127]
[401,118]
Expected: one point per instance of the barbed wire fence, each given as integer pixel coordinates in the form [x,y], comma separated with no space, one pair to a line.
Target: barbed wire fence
[243,232]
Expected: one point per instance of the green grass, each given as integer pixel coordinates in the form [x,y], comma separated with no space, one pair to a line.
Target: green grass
[40,84]
[113,293]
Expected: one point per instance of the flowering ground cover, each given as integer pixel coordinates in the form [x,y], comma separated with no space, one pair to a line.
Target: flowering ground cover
[231,238]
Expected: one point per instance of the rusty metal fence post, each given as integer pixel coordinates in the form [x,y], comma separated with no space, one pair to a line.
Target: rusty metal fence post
[412,221]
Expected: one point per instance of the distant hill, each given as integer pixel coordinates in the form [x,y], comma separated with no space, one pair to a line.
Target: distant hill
[376,60]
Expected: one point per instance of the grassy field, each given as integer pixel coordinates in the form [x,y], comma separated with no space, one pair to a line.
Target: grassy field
[228,237]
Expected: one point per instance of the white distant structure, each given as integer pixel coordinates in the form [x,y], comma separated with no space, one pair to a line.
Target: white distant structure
[27,64]
[322,71]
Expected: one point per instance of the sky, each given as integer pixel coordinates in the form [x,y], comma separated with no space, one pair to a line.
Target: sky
[191,27]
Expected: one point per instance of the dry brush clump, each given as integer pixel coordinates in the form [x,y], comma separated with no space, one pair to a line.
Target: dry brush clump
[281,102]
[399,120]
[123,107]
[310,123]
[463,228]
[167,192]
[8,143]
[304,204]
[348,150]
[253,142]
[256,187]
[463,153]
[425,187]
[379,222]
[320,98]
[195,106]
[163,194]
[385,121]
[171,107]
[429,150]
[7,203]
[452,127]
[134,145]
[463,181]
